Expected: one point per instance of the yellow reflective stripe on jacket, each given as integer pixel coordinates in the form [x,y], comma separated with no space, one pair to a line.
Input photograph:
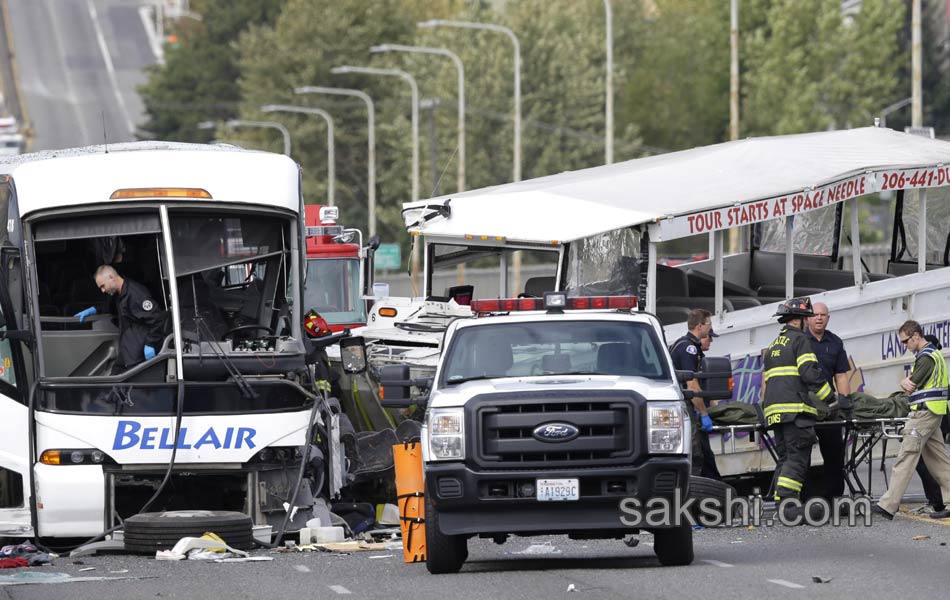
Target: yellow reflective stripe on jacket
[781,372]
[937,383]
[322,384]
[824,391]
[791,484]
[807,357]
[792,407]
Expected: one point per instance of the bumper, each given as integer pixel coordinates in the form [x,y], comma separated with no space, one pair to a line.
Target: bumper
[493,502]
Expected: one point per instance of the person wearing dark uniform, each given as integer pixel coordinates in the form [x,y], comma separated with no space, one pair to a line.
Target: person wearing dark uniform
[140,319]
[791,371]
[687,355]
[833,362]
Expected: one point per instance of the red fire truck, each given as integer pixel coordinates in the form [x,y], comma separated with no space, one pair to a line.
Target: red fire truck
[336,279]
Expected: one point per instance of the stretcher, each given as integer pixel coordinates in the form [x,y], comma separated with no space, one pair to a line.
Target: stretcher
[861,438]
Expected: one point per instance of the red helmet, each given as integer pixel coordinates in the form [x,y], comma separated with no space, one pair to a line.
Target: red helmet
[315,325]
[794,308]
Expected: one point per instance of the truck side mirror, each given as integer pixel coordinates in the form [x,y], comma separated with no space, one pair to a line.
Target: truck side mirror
[684,376]
[353,354]
[716,377]
[395,387]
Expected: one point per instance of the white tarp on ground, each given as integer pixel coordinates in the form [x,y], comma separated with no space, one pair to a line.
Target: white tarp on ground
[698,190]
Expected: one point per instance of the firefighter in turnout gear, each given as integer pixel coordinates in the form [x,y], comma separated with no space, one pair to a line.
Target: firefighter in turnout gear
[791,371]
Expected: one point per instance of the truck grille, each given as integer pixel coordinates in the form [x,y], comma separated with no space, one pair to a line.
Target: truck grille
[604,432]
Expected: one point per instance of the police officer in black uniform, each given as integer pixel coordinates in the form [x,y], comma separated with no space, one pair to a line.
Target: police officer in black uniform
[834,365]
[791,371]
[687,355]
[140,319]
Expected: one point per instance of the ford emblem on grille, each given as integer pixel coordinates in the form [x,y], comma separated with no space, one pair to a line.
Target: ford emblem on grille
[555,432]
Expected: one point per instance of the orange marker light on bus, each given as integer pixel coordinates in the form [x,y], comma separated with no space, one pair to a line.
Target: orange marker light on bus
[134,193]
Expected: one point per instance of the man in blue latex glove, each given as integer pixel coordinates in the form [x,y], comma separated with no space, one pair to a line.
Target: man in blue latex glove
[140,319]
[687,355]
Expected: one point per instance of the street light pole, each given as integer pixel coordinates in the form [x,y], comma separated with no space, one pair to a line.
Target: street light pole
[331,152]
[516,170]
[734,70]
[264,125]
[371,142]
[414,90]
[917,107]
[609,108]
[460,71]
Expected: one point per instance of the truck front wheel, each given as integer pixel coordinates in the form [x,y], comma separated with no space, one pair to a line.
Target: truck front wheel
[444,553]
[674,546]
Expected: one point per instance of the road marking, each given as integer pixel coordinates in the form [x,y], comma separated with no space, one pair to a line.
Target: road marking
[717,563]
[302,568]
[944,522]
[145,13]
[784,583]
[110,69]
[339,589]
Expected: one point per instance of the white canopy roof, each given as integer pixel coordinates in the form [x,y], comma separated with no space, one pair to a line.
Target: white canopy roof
[697,190]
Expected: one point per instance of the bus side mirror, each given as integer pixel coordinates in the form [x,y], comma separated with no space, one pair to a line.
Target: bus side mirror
[353,354]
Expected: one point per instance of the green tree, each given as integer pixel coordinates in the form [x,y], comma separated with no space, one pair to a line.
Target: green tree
[808,67]
[198,81]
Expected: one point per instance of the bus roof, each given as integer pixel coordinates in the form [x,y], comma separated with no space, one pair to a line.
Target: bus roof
[693,191]
[89,175]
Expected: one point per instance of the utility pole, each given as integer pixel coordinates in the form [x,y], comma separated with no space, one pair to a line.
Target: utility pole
[917,92]
[734,70]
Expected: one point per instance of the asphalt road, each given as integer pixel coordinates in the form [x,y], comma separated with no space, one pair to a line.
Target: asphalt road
[880,561]
[78,64]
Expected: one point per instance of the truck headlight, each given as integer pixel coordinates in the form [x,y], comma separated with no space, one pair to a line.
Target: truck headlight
[446,434]
[666,427]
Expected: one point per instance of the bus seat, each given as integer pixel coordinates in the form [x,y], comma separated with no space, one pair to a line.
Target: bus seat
[768,268]
[906,268]
[703,284]
[827,279]
[690,303]
[778,291]
[742,302]
[672,314]
[536,286]
[671,281]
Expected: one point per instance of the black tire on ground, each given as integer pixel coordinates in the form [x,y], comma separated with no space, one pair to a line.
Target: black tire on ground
[148,532]
[703,487]
[674,546]
[444,553]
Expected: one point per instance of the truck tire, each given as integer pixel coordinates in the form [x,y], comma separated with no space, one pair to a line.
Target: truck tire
[703,487]
[444,553]
[148,532]
[674,546]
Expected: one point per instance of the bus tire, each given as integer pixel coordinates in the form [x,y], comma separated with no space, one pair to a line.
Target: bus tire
[149,532]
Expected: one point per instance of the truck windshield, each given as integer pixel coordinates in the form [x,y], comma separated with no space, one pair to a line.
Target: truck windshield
[554,348]
[333,290]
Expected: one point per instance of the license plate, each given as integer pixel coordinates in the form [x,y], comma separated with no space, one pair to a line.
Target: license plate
[557,490]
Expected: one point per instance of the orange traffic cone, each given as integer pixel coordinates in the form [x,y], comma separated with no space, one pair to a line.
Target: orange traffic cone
[410,498]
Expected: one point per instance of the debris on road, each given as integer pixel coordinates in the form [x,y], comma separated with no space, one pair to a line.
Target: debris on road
[26,551]
[917,538]
[545,548]
[207,547]
[818,579]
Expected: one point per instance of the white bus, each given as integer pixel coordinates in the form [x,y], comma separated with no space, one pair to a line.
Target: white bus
[794,204]
[223,415]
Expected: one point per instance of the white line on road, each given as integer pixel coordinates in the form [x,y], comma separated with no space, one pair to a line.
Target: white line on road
[302,568]
[339,589]
[110,69]
[145,13]
[716,563]
[787,584]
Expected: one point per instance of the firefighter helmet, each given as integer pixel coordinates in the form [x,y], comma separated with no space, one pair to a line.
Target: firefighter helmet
[315,325]
[794,308]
